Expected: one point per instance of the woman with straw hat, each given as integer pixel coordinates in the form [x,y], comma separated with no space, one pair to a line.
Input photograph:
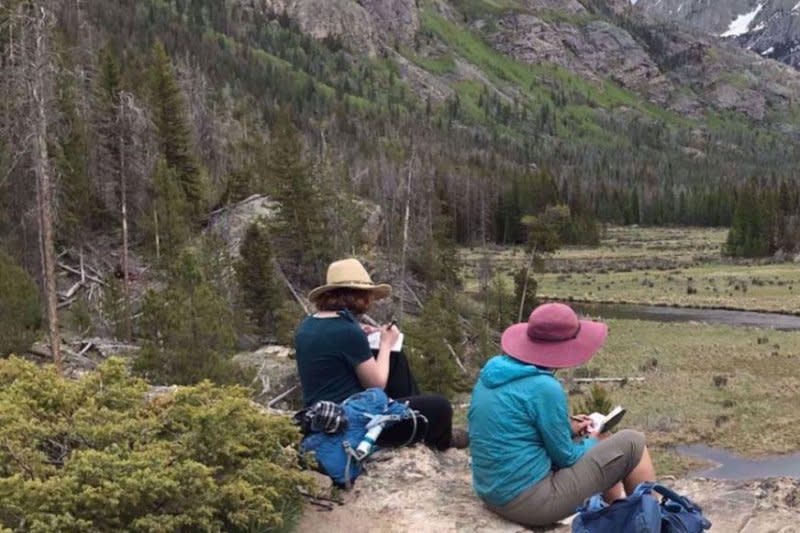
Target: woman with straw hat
[335,361]
[530,463]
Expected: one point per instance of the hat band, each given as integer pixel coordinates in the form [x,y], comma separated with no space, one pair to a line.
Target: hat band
[354,282]
[562,339]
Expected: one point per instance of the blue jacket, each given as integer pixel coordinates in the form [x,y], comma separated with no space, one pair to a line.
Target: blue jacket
[519,429]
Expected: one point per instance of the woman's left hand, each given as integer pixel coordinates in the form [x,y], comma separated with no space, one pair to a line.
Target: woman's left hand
[580,425]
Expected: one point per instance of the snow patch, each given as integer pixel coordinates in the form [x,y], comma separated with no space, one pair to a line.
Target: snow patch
[741,24]
[768,51]
[796,7]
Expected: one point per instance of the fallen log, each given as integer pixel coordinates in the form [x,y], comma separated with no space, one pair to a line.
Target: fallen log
[77,272]
[606,380]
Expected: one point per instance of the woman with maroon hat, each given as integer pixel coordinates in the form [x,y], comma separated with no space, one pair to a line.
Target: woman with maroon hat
[530,463]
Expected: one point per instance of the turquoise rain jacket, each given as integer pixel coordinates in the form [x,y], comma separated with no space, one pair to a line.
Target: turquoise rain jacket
[519,429]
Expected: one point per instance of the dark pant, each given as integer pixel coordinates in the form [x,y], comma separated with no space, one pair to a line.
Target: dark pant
[436,427]
[401,382]
[434,430]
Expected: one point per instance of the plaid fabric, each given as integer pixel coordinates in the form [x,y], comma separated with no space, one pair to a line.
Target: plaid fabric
[322,417]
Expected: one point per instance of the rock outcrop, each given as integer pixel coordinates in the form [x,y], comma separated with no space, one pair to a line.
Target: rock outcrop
[597,50]
[769,27]
[366,25]
[275,370]
[230,223]
[414,490]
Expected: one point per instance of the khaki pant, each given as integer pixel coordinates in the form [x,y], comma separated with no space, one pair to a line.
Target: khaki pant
[560,493]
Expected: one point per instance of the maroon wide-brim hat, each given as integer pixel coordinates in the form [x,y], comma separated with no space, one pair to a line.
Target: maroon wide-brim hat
[554,337]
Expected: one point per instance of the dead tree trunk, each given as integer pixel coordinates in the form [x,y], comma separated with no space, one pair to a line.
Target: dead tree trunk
[44,178]
[528,268]
[123,195]
[406,220]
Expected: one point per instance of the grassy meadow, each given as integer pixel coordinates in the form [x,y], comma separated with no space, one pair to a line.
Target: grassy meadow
[729,387]
[663,266]
[734,388]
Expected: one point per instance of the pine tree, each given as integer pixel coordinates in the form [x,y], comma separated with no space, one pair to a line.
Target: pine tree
[79,206]
[20,308]
[106,126]
[255,273]
[170,117]
[749,235]
[170,212]
[188,329]
[435,341]
[300,224]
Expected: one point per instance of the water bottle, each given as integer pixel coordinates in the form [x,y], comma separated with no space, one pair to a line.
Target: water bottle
[365,446]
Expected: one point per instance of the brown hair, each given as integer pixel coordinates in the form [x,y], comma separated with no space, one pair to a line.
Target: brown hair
[356,301]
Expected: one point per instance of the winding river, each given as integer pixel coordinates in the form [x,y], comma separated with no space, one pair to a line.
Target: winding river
[729,466]
[656,313]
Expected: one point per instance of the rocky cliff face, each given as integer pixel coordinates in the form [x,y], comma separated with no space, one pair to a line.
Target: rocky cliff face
[683,71]
[363,25]
[770,28]
[416,490]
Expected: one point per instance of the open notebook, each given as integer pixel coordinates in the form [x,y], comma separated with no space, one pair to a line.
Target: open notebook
[375,341]
[602,423]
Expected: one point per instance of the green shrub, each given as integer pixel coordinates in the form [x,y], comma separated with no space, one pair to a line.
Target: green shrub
[96,454]
[598,401]
[434,342]
[188,330]
[255,273]
[20,311]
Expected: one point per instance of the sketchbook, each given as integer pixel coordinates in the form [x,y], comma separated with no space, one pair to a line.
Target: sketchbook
[602,423]
[375,342]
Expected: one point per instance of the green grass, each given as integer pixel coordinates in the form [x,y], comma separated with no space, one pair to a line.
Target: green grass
[711,384]
[758,288]
[652,266]
[444,64]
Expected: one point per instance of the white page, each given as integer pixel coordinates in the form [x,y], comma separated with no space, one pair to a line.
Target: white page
[375,341]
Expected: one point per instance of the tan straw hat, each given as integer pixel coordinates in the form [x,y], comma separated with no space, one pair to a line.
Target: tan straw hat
[350,274]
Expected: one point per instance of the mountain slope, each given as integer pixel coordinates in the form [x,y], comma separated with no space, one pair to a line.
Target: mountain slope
[768,27]
[496,106]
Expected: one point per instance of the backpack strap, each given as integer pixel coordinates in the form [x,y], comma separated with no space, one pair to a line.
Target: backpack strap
[645,487]
[676,498]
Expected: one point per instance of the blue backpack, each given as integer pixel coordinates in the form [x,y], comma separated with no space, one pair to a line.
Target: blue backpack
[637,514]
[336,453]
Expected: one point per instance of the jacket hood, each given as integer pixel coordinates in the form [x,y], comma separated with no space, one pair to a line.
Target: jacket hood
[503,369]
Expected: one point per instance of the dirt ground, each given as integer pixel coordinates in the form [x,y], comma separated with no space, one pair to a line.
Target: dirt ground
[416,490]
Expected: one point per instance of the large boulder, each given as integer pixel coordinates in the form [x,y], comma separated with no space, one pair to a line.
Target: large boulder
[230,223]
[275,371]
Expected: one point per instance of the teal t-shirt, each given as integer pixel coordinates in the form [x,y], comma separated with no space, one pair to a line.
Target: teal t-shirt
[328,350]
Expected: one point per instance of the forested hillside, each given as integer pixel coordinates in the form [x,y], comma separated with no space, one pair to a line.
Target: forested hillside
[124,124]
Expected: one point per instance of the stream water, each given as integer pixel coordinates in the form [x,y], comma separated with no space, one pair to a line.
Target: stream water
[729,466]
[726,464]
[678,314]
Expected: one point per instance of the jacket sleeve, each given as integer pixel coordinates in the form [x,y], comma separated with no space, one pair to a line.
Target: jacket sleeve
[552,422]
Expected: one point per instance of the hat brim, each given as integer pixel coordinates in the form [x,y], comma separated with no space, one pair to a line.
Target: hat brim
[559,354]
[379,291]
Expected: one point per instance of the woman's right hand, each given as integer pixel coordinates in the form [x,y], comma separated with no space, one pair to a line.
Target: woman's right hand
[389,335]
